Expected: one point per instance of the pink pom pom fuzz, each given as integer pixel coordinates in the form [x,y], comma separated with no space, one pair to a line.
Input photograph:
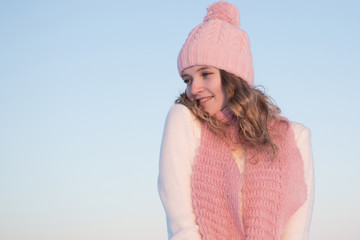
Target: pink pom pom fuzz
[224,11]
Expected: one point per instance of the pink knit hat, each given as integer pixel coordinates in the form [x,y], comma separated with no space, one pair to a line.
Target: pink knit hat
[219,42]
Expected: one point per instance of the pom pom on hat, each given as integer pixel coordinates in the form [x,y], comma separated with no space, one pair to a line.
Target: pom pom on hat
[223,11]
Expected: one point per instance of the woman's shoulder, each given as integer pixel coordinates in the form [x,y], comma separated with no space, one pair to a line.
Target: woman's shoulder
[302,134]
[180,113]
[299,129]
[181,121]
[180,109]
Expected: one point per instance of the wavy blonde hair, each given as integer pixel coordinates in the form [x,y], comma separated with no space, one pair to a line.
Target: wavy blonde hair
[253,109]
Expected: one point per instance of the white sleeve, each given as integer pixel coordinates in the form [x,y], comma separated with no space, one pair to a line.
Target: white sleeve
[176,157]
[297,228]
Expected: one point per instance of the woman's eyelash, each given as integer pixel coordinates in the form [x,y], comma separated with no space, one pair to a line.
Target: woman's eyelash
[205,74]
[187,81]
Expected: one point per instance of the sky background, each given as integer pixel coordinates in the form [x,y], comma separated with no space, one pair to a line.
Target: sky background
[85,87]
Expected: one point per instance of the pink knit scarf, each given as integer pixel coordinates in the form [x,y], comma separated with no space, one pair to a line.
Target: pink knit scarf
[255,205]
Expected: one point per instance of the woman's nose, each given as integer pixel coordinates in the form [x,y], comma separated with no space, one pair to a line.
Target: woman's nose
[196,86]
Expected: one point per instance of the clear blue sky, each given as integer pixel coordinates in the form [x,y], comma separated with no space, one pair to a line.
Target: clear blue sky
[85,87]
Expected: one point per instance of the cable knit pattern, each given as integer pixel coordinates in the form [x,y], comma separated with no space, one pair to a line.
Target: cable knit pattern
[270,190]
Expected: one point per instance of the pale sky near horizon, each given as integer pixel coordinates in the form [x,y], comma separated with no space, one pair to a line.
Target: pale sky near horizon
[85,87]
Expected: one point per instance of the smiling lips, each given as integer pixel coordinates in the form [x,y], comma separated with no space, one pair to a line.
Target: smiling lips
[203,100]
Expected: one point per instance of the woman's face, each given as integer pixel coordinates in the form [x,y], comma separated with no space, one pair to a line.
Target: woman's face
[204,87]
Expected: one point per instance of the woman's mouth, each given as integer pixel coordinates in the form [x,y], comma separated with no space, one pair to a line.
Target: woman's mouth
[202,101]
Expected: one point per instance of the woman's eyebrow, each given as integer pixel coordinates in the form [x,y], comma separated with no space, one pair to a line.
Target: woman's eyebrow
[203,68]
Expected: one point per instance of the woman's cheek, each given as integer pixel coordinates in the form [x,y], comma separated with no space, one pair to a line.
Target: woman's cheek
[188,93]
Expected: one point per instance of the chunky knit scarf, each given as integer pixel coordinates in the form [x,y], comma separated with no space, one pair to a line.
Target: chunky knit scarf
[229,205]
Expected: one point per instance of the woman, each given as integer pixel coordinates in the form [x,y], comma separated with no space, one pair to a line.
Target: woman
[231,167]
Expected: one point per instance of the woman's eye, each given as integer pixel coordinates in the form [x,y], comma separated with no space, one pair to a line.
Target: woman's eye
[206,74]
[187,81]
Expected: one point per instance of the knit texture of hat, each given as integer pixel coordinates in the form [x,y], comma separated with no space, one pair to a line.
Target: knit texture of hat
[219,42]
